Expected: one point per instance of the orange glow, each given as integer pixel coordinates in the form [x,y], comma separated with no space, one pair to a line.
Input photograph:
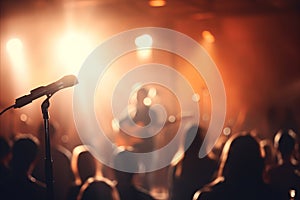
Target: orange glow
[144,53]
[208,37]
[157,3]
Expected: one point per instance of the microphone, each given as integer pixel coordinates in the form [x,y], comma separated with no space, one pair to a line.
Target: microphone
[64,82]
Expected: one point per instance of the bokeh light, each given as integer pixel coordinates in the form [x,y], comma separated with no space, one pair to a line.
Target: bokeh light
[72,50]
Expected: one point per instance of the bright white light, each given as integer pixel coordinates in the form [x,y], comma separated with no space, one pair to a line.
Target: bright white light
[292,193]
[14,48]
[172,119]
[144,53]
[115,125]
[152,92]
[196,97]
[72,50]
[14,45]
[227,131]
[147,101]
[144,41]
[143,44]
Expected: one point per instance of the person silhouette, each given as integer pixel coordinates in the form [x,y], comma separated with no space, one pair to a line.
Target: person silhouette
[125,179]
[21,184]
[83,166]
[139,130]
[240,173]
[192,172]
[98,188]
[284,176]
[140,122]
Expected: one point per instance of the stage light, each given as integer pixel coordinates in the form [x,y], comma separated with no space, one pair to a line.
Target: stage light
[152,92]
[115,125]
[171,118]
[72,50]
[157,3]
[15,51]
[292,194]
[196,97]
[208,37]
[144,41]
[144,54]
[14,45]
[227,131]
[147,101]
[143,44]
[16,54]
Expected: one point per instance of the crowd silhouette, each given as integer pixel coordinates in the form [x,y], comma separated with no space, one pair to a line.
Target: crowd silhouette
[240,174]
[83,166]
[284,176]
[248,168]
[19,183]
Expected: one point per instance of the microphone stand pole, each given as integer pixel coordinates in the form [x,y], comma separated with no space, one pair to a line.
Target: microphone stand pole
[48,159]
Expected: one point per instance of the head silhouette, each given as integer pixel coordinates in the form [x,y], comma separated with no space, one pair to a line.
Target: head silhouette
[285,143]
[24,153]
[98,190]
[242,160]
[83,164]
[141,116]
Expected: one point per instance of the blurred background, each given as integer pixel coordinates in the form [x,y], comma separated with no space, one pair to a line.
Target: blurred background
[254,43]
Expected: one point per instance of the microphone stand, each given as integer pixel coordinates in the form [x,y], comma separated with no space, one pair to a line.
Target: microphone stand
[49,90]
[48,159]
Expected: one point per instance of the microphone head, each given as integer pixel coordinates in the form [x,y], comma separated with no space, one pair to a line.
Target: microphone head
[64,82]
[68,81]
